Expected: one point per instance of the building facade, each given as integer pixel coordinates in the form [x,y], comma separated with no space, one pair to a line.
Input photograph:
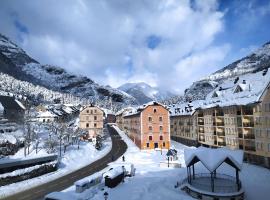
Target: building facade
[236,115]
[91,119]
[149,126]
[183,120]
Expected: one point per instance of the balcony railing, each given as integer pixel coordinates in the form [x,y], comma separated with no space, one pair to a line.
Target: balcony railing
[250,148]
[200,115]
[248,124]
[220,114]
[247,112]
[222,143]
[221,133]
[220,124]
[249,136]
[201,123]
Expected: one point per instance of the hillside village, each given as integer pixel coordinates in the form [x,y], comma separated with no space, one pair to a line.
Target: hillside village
[64,136]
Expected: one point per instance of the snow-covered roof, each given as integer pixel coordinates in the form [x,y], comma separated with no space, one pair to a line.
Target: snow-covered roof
[243,90]
[46,114]
[185,108]
[112,173]
[139,109]
[213,158]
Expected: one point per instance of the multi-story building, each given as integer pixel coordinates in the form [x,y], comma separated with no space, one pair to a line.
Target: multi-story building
[149,126]
[120,116]
[183,119]
[237,115]
[91,119]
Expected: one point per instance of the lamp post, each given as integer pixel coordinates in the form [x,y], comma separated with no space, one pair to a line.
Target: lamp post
[106,195]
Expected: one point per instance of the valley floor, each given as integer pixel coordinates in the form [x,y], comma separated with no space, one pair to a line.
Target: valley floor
[154,182]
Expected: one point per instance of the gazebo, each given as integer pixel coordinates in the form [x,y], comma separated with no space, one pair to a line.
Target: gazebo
[213,184]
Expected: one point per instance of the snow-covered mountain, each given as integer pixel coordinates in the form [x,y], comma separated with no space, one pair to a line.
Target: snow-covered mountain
[144,93]
[15,62]
[256,61]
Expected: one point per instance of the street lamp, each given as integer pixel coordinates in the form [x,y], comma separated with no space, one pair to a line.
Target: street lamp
[106,195]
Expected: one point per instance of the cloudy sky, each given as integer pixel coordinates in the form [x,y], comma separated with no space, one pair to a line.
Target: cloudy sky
[166,43]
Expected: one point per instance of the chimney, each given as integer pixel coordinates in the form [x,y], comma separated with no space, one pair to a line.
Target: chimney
[244,81]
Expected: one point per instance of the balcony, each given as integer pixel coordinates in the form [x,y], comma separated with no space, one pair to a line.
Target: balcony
[202,138]
[249,136]
[222,143]
[201,123]
[220,124]
[200,115]
[248,124]
[221,133]
[201,130]
[250,148]
[220,114]
[247,111]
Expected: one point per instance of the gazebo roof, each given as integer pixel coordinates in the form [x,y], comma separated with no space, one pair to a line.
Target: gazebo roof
[213,158]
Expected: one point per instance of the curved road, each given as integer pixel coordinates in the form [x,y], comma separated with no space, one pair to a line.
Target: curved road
[118,149]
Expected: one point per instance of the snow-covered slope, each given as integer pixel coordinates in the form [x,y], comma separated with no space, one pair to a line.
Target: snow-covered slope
[15,62]
[256,61]
[144,92]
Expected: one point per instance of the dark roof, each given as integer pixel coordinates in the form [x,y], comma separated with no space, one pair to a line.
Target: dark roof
[11,103]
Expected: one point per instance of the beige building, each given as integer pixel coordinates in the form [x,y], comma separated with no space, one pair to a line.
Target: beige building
[91,119]
[120,116]
[238,116]
[183,120]
[148,126]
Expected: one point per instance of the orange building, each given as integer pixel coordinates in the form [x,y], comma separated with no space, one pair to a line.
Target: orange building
[149,126]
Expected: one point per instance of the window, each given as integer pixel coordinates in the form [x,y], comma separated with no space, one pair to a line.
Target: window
[164,144]
[95,117]
[95,125]
[95,111]
[87,125]
[91,112]
[87,111]
[150,119]
[160,128]
[161,137]
[87,118]
[268,147]
[147,145]
[150,138]
[160,119]
[155,110]
[44,120]
[150,128]
[268,133]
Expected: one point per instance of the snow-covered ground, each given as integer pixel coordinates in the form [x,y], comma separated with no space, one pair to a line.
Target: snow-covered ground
[72,160]
[154,182]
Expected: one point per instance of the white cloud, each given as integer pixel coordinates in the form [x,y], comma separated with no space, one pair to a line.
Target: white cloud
[106,39]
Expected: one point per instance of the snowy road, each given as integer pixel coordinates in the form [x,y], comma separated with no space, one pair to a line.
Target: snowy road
[118,148]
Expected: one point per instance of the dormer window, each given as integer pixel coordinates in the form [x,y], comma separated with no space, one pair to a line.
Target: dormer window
[214,95]
[238,89]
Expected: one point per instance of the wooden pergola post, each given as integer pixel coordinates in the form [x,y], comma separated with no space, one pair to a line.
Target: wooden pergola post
[193,169]
[212,182]
[237,179]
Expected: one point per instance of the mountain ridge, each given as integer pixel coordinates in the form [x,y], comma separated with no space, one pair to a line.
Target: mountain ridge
[144,92]
[15,62]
